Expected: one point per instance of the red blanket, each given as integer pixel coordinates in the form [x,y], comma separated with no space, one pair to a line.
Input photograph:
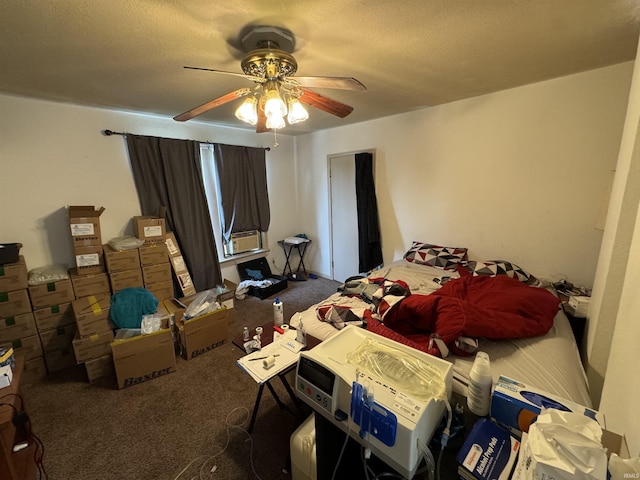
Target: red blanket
[497,307]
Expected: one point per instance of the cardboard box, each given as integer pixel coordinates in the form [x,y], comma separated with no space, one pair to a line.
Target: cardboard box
[158,273]
[92,314]
[227,300]
[150,229]
[161,291]
[200,334]
[92,284]
[84,222]
[117,261]
[489,452]
[99,368]
[17,326]
[89,260]
[59,359]
[94,346]
[153,253]
[14,276]
[516,405]
[615,443]
[49,318]
[29,347]
[14,303]
[61,337]
[126,279]
[179,266]
[53,293]
[145,357]
[528,467]
[34,370]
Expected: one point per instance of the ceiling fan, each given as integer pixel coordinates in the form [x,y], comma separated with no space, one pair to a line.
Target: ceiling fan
[277,92]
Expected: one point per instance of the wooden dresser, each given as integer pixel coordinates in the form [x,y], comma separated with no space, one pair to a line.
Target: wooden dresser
[19,465]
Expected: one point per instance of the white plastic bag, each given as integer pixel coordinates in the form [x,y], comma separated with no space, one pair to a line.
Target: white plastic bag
[120,244]
[47,274]
[621,468]
[564,446]
[150,323]
[203,302]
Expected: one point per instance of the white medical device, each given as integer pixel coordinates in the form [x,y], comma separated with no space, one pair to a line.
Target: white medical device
[388,396]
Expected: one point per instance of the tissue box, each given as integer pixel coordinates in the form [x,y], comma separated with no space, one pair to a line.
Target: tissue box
[489,452]
[6,376]
[516,405]
[579,305]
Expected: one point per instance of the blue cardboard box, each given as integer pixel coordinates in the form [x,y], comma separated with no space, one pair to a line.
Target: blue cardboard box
[516,405]
[488,453]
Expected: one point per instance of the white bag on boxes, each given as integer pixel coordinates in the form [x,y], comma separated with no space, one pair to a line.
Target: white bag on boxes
[564,446]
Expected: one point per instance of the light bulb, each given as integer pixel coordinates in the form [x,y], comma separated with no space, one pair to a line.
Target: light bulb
[297,113]
[248,111]
[273,105]
[275,121]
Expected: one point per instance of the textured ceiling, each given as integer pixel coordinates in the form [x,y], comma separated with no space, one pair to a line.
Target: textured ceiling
[129,54]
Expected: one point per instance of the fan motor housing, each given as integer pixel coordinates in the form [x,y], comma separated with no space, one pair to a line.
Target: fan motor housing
[269,63]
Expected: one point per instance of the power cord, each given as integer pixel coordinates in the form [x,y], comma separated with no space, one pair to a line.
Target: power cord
[203,474]
[21,421]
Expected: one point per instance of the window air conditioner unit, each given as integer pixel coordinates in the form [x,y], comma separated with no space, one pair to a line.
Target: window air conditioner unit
[243,242]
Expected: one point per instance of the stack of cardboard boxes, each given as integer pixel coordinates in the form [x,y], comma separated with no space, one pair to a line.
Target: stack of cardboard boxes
[156,271]
[123,268]
[154,256]
[92,290]
[144,357]
[51,302]
[84,222]
[66,322]
[17,320]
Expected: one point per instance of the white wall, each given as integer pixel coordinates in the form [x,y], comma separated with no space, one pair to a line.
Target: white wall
[518,175]
[53,155]
[615,310]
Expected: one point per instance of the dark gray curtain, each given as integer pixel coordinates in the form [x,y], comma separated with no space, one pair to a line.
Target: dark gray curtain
[370,250]
[242,176]
[167,173]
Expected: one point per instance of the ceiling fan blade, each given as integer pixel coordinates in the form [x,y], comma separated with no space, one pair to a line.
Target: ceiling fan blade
[261,126]
[211,104]
[325,103]
[248,77]
[342,83]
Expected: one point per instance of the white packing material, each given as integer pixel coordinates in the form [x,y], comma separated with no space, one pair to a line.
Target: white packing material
[564,446]
[620,468]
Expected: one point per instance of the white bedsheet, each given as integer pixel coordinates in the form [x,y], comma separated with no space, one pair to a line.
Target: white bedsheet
[550,362]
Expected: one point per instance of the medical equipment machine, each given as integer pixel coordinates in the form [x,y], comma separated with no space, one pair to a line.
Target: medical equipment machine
[387,396]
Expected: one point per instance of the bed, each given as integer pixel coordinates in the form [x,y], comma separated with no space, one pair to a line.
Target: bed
[547,358]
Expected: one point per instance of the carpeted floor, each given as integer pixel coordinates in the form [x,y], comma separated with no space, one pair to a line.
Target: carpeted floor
[179,426]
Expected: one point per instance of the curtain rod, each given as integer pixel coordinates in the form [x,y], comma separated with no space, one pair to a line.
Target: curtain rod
[108,133]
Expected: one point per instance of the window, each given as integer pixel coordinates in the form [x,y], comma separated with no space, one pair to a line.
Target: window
[212,189]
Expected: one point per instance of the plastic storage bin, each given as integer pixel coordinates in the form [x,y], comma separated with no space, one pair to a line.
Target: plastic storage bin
[303,451]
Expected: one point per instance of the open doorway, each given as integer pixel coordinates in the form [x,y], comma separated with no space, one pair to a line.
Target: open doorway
[343,220]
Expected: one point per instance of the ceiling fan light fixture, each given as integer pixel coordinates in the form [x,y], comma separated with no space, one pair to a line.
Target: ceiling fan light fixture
[275,121]
[248,111]
[273,105]
[297,113]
